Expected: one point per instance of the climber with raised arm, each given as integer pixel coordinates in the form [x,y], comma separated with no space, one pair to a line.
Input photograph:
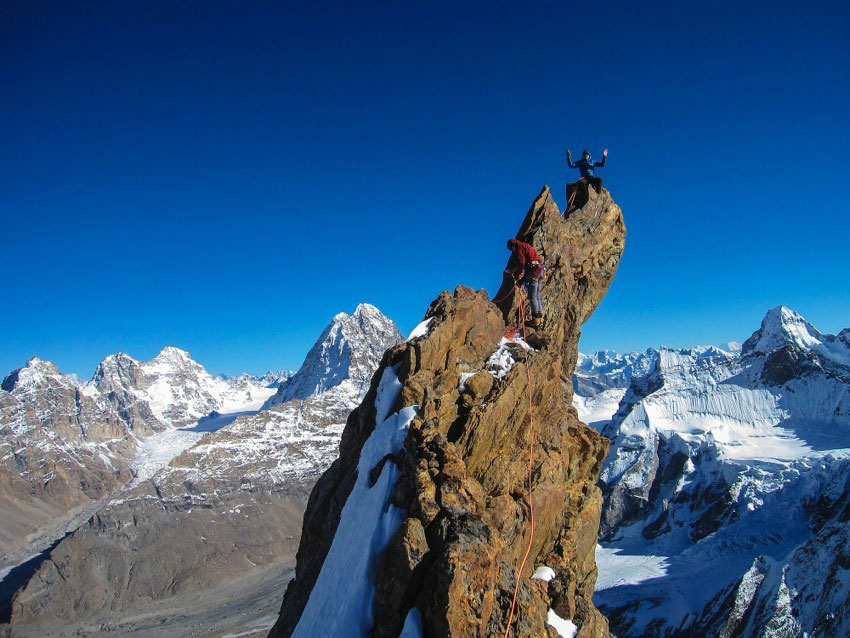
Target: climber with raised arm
[587,167]
[526,266]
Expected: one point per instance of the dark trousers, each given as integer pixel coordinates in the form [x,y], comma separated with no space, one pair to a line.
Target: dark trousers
[577,191]
[596,182]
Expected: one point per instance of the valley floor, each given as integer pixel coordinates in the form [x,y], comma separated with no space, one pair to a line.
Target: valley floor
[239,608]
[154,453]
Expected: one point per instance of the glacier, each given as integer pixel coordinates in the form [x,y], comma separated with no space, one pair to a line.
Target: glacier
[728,471]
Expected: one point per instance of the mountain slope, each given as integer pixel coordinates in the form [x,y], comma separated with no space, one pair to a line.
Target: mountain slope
[600,381]
[68,445]
[419,526]
[728,472]
[224,515]
[62,446]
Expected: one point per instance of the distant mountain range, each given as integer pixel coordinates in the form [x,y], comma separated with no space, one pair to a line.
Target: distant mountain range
[727,487]
[225,508]
[67,443]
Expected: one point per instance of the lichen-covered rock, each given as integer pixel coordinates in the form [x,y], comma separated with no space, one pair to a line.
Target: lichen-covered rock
[464,468]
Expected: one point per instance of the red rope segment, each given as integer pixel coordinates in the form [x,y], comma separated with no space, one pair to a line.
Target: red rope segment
[530,470]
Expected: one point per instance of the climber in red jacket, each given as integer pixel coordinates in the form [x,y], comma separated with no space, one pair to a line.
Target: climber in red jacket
[526,266]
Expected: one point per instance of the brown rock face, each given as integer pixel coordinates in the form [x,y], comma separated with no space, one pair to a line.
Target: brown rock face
[464,469]
[60,450]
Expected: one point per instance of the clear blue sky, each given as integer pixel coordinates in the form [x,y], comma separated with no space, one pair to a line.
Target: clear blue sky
[226,176]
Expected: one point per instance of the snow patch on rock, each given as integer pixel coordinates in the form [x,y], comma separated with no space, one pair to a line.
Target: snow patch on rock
[565,628]
[340,603]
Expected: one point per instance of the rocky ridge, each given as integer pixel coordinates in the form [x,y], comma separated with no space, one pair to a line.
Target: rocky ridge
[225,513]
[62,446]
[420,524]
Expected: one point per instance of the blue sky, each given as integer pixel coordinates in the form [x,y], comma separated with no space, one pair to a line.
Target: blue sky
[224,177]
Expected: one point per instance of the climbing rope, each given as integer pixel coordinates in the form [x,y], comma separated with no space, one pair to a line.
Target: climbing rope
[530,469]
[507,294]
[571,200]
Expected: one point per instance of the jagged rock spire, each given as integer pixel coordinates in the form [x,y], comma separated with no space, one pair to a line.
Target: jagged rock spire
[461,517]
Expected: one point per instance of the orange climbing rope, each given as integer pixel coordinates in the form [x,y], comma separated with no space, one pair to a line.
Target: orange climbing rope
[572,199]
[530,469]
[506,295]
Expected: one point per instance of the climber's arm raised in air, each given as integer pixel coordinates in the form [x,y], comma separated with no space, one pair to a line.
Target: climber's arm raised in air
[604,157]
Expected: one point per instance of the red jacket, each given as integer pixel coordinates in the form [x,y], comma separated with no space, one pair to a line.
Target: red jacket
[524,260]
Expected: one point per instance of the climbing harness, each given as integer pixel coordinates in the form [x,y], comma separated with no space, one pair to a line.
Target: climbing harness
[521,313]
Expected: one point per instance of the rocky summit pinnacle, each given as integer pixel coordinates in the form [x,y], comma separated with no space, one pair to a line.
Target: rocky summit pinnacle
[420,525]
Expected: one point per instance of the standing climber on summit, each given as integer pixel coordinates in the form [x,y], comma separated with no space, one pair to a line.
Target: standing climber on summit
[526,266]
[586,166]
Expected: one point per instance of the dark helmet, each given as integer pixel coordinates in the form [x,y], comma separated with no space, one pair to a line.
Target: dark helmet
[511,244]
[586,152]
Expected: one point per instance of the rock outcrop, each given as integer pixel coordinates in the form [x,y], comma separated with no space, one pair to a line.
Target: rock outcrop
[435,461]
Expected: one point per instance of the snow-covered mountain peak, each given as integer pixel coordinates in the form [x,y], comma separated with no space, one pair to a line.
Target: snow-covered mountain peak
[599,358]
[348,350]
[34,374]
[782,327]
[116,372]
[176,389]
[731,346]
[674,355]
[173,360]
[176,355]
[610,361]
[368,312]
[41,364]
[271,379]
[113,363]
[117,359]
